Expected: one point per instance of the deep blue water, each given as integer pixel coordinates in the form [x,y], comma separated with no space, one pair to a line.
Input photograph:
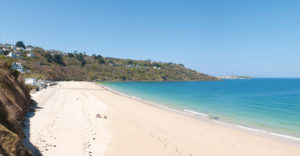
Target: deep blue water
[269,104]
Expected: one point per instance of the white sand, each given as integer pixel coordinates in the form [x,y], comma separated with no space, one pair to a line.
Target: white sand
[68,120]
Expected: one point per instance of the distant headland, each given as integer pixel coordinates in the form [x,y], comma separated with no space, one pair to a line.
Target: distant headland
[234,77]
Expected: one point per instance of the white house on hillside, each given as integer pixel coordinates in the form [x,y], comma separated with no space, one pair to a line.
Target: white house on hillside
[12,55]
[29,48]
[5,49]
[155,67]
[17,66]
[19,48]
[30,55]
[31,81]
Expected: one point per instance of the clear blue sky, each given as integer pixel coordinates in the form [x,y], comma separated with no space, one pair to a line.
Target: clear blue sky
[256,37]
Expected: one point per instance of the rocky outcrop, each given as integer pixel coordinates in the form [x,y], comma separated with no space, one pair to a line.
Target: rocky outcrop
[14,103]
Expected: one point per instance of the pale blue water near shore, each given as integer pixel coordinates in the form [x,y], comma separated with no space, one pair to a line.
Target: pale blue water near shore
[267,104]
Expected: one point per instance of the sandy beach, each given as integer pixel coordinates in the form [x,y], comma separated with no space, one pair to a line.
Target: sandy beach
[65,123]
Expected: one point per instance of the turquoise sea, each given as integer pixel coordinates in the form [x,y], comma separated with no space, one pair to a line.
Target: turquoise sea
[272,105]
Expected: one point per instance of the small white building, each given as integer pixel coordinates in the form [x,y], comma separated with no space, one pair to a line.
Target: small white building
[157,68]
[30,55]
[19,48]
[31,81]
[29,48]
[129,66]
[5,49]
[40,82]
[12,55]
[17,66]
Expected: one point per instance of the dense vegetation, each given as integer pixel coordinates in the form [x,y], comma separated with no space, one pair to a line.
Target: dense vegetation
[55,65]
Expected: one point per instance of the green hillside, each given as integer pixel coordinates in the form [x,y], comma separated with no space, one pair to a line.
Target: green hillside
[56,65]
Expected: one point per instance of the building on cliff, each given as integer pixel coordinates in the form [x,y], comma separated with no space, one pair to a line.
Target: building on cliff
[29,48]
[12,55]
[31,81]
[17,66]
[30,55]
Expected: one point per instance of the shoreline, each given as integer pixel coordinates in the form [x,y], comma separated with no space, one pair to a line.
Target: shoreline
[66,123]
[285,138]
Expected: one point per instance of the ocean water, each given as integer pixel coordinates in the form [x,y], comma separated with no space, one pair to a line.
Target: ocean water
[272,105]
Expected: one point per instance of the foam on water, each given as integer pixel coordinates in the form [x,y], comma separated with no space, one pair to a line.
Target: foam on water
[195,113]
[251,129]
[285,136]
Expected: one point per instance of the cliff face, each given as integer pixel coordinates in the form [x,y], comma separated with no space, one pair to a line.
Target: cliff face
[14,102]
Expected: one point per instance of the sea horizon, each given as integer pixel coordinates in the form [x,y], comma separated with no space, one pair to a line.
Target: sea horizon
[272,125]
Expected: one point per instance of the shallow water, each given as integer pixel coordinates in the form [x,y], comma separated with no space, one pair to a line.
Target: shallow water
[269,104]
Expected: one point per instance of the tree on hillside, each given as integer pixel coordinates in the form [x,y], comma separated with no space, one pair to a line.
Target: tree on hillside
[83,62]
[5,52]
[130,62]
[80,57]
[70,54]
[48,56]
[99,58]
[58,59]
[20,44]
[157,64]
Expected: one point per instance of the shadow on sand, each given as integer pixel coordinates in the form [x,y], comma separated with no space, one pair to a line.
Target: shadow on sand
[26,129]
